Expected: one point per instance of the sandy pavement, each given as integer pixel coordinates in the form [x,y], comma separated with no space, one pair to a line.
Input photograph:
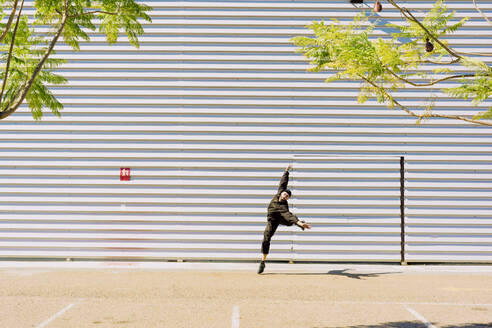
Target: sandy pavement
[285,296]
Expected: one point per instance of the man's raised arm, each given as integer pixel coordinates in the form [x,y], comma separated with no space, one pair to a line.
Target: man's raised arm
[284,181]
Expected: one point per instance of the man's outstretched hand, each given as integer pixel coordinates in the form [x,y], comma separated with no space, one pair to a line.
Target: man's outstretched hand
[304,225]
[288,167]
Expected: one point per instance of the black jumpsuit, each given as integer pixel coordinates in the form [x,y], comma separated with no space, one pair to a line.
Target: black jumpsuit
[278,213]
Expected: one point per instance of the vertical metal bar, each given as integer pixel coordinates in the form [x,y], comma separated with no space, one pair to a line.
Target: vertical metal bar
[402,209]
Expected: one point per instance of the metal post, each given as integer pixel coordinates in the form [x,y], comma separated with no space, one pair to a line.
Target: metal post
[402,209]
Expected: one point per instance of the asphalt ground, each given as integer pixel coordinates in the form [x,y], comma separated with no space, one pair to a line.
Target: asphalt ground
[124,294]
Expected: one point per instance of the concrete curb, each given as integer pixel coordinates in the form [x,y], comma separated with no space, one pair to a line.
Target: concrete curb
[249,267]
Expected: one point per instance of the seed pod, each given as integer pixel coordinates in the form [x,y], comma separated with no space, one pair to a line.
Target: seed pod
[378,7]
[428,45]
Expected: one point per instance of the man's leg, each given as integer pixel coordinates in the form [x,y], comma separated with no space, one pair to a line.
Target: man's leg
[270,229]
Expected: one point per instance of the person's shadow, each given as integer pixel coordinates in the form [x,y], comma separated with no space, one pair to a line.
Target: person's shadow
[357,275]
[335,273]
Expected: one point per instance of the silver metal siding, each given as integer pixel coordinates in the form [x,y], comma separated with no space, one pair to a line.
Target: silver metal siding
[207,113]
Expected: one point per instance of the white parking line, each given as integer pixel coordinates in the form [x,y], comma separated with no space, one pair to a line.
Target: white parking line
[45,323]
[235,317]
[420,317]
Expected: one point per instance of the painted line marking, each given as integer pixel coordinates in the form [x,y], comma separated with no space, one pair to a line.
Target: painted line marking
[420,317]
[56,315]
[235,317]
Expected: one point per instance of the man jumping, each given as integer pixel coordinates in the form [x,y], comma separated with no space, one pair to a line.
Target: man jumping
[278,213]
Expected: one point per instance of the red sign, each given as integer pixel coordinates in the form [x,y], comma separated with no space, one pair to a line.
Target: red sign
[124,174]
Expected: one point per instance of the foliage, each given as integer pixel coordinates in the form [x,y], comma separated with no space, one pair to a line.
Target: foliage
[402,61]
[27,67]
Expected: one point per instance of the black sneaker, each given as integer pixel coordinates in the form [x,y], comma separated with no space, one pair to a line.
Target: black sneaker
[262,267]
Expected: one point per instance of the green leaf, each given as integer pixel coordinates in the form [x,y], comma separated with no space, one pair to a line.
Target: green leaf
[484,115]
[443,70]
[31,44]
[355,53]
[476,65]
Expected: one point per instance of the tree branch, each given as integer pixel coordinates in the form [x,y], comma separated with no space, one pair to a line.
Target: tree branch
[411,113]
[92,12]
[457,54]
[427,61]
[11,49]
[11,18]
[430,83]
[481,13]
[482,54]
[27,86]
[411,17]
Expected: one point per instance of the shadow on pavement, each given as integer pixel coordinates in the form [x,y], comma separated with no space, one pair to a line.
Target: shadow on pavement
[335,273]
[414,324]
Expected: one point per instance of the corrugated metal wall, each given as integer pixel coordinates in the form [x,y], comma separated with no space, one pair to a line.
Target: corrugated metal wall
[207,114]
[354,204]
